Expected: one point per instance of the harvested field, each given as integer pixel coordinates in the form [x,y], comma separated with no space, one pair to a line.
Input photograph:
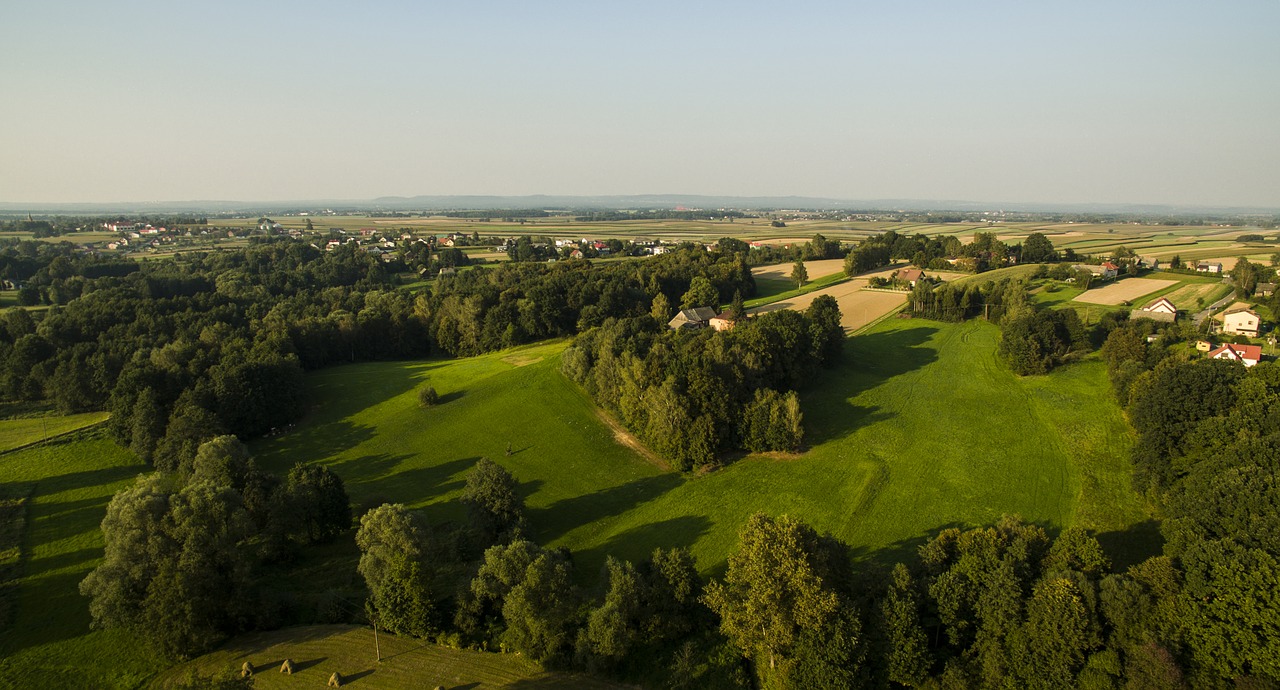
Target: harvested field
[816,270]
[858,307]
[1123,291]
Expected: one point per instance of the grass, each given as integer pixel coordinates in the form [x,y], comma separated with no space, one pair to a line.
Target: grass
[319,651]
[922,428]
[16,433]
[49,643]
[769,290]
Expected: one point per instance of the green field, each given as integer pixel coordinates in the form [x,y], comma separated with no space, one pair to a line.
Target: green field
[770,290]
[49,644]
[15,433]
[319,651]
[922,428]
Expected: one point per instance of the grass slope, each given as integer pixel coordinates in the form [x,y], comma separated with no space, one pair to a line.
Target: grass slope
[920,429]
[16,433]
[319,651]
[49,643]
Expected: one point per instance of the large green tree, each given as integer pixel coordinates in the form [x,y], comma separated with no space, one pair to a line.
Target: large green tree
[393,541]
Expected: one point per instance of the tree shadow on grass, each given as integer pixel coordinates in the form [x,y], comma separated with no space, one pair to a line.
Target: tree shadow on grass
[559,518]
[869,361]
[380,484]
[316,442]
[637,544]
[1131,546]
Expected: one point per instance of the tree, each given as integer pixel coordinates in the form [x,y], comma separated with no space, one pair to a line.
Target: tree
[176,569]
[908,655]
[826,333]
[427,396]
[660,310]
[392,542]
[774,589]
[496,511]
[701,294]
[318,502]
[737,311]
[1038,249]
[799,273]
[223,460]
[613,626]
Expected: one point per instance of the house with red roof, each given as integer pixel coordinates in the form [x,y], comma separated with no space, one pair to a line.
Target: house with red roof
[1247,355]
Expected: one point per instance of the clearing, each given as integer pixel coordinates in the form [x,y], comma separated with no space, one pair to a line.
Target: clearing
[1124,290]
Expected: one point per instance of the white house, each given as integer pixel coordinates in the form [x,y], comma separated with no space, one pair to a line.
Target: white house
[1247,355]
[1159,310]
[1241,322]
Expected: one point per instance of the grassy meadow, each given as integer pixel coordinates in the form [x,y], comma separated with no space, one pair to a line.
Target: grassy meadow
[48,644]
[920,429]
[16,433]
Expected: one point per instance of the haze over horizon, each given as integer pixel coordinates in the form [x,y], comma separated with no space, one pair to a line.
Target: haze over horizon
[1141,103]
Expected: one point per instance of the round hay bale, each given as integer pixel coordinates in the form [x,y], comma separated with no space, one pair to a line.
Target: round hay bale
[335,681]
[287,667]
[246,670]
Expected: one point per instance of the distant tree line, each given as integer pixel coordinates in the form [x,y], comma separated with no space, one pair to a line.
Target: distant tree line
[691,396]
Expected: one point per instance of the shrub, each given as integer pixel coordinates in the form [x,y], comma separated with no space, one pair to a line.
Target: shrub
[427,396]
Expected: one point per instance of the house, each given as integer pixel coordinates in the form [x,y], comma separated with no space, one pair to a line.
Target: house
[1265,289]
[1241,322]
[1206,267]
[723,321]
[575,254]
[909,275]
[1203,346]
[1159,310]
[1102,271]
[698,317]
[1247,355]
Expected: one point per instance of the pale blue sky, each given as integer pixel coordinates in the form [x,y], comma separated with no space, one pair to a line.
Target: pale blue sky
[1111,102]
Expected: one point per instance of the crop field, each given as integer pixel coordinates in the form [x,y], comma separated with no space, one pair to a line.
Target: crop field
[815,269]
[1125,290]
[1196,296]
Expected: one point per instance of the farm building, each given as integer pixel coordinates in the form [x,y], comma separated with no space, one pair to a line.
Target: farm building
[1159,310]
[1206,267]
[723,321]
[698,317]
[909,276]
[1241,322]
[1266,289]
[1106,271]
[1247,355]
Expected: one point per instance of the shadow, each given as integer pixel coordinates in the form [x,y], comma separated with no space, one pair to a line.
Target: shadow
[520,450]
[367,468]
[300,666]
[468,686]
[869,360]
[314,441]
[1132,546]
[356,676]
[447,398]
[562,516]
[637,544]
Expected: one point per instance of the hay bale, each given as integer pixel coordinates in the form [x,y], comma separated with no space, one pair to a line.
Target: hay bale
[335,681]
[287,667]
[246,670]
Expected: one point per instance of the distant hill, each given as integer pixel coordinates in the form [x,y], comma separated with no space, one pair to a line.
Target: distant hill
[632,201]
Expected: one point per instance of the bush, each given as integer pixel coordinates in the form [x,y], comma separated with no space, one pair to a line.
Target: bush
[427,396]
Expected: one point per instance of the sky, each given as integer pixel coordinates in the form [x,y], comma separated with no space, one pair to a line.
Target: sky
[1123,101]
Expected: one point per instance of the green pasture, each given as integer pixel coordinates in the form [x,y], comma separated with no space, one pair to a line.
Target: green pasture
[49,644]
[15,433]
[921,428]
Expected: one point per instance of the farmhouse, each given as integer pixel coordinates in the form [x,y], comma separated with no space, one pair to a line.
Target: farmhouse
[1241,322]
[1206,267]
[723,321]
[1159,310]
[909,276]
[1266,289]
[698,317]
[1106,271]
[1247,355]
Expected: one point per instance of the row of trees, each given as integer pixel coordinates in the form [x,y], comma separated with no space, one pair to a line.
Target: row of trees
[691,396]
